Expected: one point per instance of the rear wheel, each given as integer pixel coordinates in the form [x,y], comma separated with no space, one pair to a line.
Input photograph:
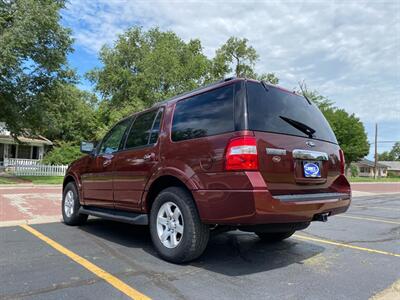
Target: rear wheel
[70,206]
[275,236]
[175,226]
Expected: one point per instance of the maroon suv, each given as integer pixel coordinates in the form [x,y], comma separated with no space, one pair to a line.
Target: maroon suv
[238,154]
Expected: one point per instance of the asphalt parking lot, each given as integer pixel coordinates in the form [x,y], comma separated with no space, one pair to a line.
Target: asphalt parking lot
[352,256]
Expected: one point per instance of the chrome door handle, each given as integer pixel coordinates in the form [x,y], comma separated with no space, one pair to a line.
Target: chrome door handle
[148,156]
[106,163]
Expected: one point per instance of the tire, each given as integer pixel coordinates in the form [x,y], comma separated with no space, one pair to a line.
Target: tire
[70,207]
[275,236]
[184,236]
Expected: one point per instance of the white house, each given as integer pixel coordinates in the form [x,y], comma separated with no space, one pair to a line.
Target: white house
[393,167]
[365,168]
[29,148]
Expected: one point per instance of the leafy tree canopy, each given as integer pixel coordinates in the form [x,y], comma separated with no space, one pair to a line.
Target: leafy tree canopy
[238,56]
[33,49]
[63,154]
[236,51]
[71,115]
[145,67]
[393,154]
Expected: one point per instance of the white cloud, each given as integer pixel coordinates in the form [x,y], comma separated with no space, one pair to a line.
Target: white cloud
[347,50]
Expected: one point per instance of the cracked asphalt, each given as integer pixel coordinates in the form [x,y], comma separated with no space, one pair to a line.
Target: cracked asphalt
[330,260]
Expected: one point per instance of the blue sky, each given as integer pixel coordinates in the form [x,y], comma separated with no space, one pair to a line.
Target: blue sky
[347,50]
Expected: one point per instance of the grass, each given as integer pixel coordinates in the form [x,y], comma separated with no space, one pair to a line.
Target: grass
[32,179]
[367,179]
[6,180]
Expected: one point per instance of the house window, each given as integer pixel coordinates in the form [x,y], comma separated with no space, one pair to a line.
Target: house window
[24,151]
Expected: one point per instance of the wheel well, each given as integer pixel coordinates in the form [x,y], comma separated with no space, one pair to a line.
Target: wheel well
[67,180]
[159,184]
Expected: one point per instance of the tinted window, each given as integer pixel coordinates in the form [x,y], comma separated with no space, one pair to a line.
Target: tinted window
[266,109]
[156,128]
[203,115]
[140,131]
[112,140]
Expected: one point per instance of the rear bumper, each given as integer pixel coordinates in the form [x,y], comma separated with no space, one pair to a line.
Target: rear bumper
[250,207]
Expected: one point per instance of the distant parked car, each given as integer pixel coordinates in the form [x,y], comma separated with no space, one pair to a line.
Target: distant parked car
[238,154]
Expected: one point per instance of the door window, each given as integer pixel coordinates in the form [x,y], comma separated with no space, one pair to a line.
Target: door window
[112,140]
[139,135]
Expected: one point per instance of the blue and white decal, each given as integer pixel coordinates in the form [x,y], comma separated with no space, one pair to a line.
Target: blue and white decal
[312,170]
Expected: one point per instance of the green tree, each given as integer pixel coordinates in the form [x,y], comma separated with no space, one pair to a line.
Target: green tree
[268,77]
[238,56]
[33,49]
[71,115]
[393,154]
[62,154]
[238,53]
[145,67]
[350,133]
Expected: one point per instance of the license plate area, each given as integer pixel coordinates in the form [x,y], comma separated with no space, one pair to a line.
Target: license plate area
[312,169]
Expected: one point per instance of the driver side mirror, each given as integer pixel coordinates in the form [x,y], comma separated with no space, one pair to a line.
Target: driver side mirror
[87,147]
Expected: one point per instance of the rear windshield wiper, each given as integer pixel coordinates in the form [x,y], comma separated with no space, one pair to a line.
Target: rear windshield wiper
[300,126]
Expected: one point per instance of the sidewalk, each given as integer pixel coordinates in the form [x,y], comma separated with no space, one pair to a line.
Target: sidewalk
[21,204]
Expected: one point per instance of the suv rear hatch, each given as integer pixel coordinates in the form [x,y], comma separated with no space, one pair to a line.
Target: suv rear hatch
[298,151]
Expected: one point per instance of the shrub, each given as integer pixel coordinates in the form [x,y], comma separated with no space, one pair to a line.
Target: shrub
[62,154]
[353,171]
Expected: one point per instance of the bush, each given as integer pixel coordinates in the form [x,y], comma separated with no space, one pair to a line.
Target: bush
[353,171]
[392,174]
[62,154]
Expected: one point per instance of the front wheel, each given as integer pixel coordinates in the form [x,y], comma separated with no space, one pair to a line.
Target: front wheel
[275,236]
[175,226]
[70,206]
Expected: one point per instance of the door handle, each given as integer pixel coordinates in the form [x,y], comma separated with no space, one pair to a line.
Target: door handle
[106,163]
[149,156]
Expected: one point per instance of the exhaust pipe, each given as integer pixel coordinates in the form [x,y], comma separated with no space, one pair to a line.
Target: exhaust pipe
[321,217]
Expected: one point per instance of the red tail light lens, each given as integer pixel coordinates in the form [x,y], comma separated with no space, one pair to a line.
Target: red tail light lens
[241,154]
[342,162]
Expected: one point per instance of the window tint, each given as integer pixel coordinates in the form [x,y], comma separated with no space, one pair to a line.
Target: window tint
[112,140]
[203,115]
[156,128]
[139,133]
[266,109]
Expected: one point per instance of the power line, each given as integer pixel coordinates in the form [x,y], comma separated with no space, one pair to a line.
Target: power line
[383,142]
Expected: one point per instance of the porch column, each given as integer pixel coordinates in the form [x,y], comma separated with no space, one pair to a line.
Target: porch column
[40,152]
[5,153]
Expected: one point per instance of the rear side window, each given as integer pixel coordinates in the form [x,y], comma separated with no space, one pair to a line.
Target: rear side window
[203,115]
[140,130]
[268,111]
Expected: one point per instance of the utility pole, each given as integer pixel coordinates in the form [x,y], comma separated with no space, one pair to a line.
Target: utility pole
[376,150]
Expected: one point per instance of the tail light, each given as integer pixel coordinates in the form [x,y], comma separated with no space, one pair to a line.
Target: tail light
[342,162]
[241,154]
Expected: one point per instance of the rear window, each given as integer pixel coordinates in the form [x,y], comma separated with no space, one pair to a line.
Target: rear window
[203,115]
[268,110]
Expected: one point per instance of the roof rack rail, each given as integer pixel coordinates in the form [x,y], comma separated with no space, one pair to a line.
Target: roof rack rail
[195,90]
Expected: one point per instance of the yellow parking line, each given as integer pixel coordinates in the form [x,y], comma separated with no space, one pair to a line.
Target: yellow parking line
[368,219]
[377,207]
[302,237]
[114,281]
